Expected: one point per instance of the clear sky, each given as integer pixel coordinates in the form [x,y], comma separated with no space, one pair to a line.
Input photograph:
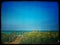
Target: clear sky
[29,16]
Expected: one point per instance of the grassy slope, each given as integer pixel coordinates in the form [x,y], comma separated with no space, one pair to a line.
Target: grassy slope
[35,37]
[4,37]
[40,37]
[16,41]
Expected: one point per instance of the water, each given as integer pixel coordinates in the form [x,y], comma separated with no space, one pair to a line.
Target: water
[10,32]
[22,32]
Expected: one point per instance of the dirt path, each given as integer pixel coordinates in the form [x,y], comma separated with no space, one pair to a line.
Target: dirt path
[16,41]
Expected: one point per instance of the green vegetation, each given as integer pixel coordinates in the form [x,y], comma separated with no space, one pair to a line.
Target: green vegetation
[8,37]
[34,37]
[4,37]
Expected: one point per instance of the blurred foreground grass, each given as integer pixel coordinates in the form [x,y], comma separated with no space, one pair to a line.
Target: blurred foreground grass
[40,37]
[35,37]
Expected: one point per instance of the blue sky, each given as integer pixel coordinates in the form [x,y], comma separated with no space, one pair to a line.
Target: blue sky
[29,16]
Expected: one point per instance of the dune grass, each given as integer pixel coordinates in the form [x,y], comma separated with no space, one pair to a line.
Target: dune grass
[35,37]
[40,37]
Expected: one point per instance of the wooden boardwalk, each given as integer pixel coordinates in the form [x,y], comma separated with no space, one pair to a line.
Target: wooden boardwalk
[16,41]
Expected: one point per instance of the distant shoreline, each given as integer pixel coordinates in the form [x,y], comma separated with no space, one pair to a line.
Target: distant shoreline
[30,31]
